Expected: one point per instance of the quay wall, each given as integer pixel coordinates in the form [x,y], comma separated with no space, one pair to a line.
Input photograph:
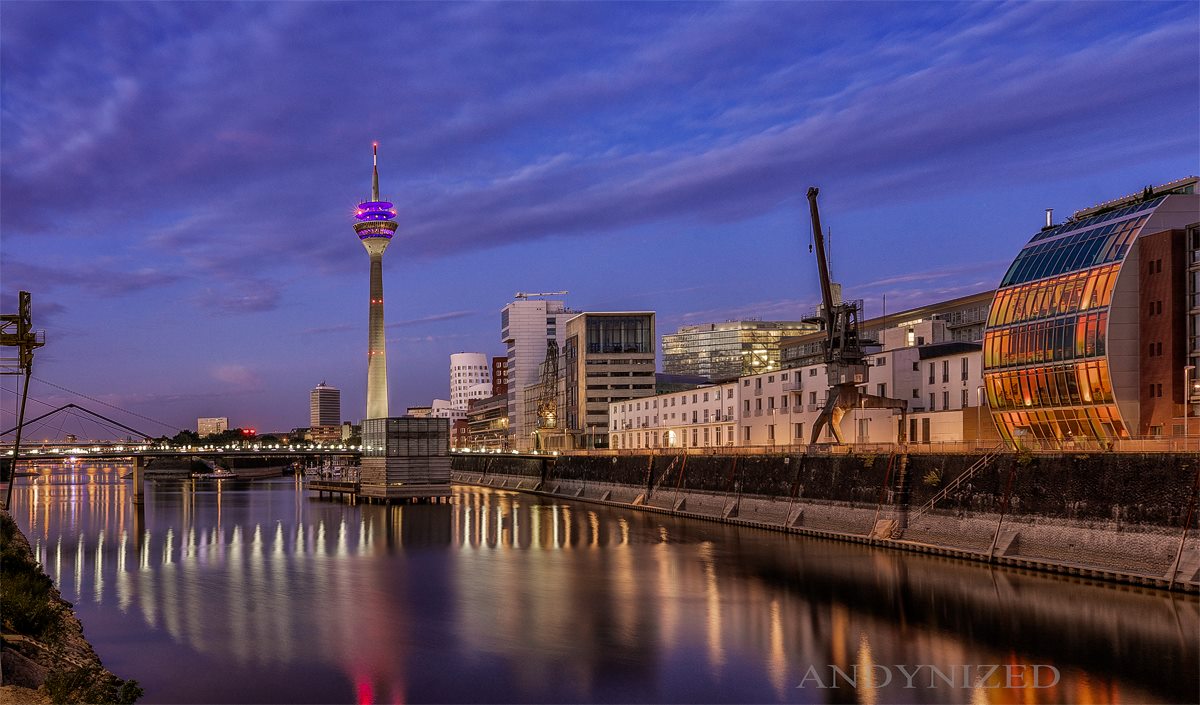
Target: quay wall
[1114,516]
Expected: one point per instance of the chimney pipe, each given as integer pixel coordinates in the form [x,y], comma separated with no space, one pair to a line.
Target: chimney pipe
[1049,217]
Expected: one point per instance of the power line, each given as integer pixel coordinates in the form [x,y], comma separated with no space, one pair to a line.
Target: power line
[111,406]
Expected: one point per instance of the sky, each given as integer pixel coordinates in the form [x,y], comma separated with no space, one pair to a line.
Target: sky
[177,180]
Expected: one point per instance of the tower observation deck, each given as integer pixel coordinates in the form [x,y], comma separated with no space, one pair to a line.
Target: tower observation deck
[375,224]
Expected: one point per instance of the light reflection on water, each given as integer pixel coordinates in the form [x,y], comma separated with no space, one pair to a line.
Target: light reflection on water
[254,592]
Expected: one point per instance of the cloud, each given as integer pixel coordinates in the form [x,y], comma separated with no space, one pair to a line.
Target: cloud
[432,318]
[238,376]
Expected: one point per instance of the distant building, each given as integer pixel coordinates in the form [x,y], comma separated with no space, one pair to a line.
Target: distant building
[499,375]
[325,434]
[964,318]
[325,406]
[487,422]
[607,357]
[525,326]
[207,426]
[444,409]
[420,412]
[728,350]
[470,378]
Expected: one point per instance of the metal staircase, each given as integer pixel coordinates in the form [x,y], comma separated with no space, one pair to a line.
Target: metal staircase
[978,465]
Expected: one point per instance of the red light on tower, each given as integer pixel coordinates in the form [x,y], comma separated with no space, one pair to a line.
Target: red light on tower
[249,432]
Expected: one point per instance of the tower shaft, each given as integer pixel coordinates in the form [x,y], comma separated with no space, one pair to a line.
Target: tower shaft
[377,385]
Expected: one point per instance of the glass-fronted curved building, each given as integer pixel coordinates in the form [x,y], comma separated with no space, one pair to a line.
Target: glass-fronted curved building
[1062,345]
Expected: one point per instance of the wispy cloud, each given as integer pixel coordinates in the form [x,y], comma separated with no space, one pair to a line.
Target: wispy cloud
[431,318]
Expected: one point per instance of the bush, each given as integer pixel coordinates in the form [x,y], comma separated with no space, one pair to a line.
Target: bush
[91,685]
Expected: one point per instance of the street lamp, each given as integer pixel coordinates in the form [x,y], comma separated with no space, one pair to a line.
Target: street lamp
[978,415]
[1187,396]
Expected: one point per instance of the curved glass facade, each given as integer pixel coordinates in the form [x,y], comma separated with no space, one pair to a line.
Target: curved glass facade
[1047,368]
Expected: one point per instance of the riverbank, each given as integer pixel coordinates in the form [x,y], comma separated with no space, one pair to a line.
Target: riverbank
[45,656]
[1126,518]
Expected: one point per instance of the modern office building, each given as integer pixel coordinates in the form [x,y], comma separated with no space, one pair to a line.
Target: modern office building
[470,378]
[207,426]
[964,317]
[324,406]
[1088,335]
[526,324]
[728,350]
[375,226]
[607,357]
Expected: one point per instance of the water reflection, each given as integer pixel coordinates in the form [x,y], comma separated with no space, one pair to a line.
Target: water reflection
[253,592]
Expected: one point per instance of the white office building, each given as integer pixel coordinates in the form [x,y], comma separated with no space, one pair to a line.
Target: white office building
[941,380]
[525,326]
[470,378]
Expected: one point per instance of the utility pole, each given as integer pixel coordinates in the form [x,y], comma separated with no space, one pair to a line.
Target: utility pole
[16,331]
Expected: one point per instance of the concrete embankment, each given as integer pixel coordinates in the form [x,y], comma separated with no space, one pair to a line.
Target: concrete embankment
[45,657]
[1112,516]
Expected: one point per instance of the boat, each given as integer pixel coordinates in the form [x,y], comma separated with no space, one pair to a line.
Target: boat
[218,474]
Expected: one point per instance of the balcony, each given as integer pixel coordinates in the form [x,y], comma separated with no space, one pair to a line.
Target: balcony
[793,386]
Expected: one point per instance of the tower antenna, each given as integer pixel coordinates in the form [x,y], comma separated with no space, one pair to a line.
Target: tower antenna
[375,172]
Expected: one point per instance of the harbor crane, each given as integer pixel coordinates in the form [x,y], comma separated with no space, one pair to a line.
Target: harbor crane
[845,363]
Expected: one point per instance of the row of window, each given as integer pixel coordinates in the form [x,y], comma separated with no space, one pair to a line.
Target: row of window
[1079,384]
[1086,248]
[1069,293]
[1046,342]
[1060,425]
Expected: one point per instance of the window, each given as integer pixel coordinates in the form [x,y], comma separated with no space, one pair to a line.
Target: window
[747,402]
[916,366]
[945,401]
[729,393]
[695,397]
[812,372]
[881,390]
[931,403]
[717,433]
[758,382]
[770,379]
[706,396]
[746,433]
[966,398]
[758,404]
[945,370]
[771,432]
[771,403]
[812,397]
[966,368]
[931,373]
[881,362]
[783,377]
[798,430]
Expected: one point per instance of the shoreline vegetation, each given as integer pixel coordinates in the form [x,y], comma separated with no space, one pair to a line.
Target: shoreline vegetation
[45,657]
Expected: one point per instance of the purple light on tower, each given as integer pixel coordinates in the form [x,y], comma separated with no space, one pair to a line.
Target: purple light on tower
[375,226]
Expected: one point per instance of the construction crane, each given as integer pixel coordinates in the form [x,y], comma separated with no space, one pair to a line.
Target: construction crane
[526,295]
[845,364]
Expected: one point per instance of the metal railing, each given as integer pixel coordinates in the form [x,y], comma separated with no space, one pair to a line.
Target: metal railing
[967,474]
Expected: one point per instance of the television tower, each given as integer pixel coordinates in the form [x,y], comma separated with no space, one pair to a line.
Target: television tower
[375,227]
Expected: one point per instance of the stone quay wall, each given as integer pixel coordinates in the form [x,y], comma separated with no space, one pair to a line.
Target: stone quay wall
[1129,517]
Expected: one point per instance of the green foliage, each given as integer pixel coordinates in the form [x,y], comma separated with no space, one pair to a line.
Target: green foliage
[933,478]
[91,685]
[27,604]
[869,461]
[1024,457]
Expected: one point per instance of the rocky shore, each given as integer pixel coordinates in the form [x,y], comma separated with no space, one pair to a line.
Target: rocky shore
[45,657]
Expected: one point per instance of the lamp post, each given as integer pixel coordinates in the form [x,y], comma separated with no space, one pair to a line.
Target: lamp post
[978,415]
[1187,396]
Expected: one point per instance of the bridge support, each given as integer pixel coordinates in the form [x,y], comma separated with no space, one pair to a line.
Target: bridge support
[139,479]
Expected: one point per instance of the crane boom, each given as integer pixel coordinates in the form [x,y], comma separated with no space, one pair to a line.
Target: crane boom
[822,260]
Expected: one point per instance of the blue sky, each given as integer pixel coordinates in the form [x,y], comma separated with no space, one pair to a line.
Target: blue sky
[177,179]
